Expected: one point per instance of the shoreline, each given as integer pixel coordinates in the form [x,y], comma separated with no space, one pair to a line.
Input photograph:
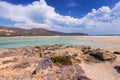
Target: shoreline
[110,42]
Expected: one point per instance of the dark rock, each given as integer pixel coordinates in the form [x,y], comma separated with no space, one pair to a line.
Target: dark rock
[37,47]
[117,68]
[93,59]
[41,54]
[43,64]
[117,52]
[86,47]
[82,78]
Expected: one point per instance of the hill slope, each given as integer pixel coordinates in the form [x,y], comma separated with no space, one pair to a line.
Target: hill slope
[7,31]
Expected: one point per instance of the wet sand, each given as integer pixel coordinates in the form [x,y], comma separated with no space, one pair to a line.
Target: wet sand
[106,39]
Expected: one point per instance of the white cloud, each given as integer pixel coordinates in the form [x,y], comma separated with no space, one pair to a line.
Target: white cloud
[40,15]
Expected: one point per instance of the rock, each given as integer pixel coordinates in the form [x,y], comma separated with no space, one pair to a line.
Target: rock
[22,65]
[37,47]
[98,53]
[103,55]
[8,61]
[43,64]
[86,49]
[117,52]
[117,68]
[8,53]
[73,72]
[2,78]
[93,59]
[81,78]
[41,54]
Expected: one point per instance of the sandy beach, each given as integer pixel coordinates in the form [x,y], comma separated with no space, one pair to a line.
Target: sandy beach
[111,40]
[106,39]
[102,71]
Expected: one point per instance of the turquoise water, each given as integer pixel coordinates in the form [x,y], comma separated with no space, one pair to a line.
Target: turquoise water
[15,42]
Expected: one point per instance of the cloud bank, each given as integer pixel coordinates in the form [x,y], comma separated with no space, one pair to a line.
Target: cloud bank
[40,15]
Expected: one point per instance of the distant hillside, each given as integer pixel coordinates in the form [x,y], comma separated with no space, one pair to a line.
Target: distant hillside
[7,31]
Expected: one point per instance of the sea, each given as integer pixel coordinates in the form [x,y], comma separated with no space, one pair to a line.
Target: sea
[16,42]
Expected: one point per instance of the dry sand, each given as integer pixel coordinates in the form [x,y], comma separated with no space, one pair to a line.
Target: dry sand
[102,71]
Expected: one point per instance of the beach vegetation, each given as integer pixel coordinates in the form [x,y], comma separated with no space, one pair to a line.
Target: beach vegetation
[63,60]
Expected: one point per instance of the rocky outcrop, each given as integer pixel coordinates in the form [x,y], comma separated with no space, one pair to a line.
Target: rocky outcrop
[73,72]
[99,53]
[8,53]
[47,62]
[104,55]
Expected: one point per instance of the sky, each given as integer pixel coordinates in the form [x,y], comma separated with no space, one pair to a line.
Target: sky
[87,16]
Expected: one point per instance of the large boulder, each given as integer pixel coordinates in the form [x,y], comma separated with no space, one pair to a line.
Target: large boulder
[99,54]
[73,72]
[102,54]
[43,64]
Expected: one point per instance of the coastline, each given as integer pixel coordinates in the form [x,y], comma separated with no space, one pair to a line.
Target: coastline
[113,42]
[17,62]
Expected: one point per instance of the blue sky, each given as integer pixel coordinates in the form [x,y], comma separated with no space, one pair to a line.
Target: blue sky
[88,16]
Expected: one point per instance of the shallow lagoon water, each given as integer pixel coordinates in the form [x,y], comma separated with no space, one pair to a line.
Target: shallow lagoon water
[15,42]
